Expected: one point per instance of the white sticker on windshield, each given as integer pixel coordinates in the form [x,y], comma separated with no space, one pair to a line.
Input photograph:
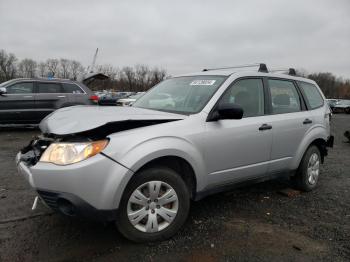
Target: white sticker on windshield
[202,82]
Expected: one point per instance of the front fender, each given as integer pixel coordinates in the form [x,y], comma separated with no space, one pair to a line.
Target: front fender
[316,132]
[146,151]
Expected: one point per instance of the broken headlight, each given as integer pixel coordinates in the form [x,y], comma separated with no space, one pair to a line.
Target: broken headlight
[69,153]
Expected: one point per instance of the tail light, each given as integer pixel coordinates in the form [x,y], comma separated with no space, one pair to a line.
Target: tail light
[94,98]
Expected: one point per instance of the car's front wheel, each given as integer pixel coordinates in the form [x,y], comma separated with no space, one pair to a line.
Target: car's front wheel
[154,205]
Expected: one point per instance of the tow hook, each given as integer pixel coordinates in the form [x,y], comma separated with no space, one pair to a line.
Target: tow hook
[35,203]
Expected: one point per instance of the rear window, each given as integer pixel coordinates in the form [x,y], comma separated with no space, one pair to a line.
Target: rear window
[49,88]
[312,94]
[72,89]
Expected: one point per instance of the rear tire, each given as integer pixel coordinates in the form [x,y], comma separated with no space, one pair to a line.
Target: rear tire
[308,172]
[156,218]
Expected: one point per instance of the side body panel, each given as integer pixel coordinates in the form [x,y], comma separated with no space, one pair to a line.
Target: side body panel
[17,109]
[236,150]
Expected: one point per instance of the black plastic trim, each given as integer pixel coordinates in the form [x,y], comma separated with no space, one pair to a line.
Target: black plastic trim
[214,189]
[81,207]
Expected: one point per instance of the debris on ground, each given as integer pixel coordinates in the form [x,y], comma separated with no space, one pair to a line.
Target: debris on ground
[296,248]
[289,192]
[347,135]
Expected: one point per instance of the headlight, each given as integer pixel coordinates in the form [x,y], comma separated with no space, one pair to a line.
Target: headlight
[69,153]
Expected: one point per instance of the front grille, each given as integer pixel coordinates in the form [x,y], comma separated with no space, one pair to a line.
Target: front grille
[50,198]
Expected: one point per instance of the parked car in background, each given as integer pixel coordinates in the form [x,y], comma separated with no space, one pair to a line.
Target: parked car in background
[109,99]
[26,101]
[342,106]
[332,103]
[188,137]
[128,101]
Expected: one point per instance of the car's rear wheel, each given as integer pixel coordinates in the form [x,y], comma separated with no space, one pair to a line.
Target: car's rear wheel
[308,172]
[154,205]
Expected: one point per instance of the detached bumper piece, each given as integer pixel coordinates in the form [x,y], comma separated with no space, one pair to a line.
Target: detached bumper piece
[73,206]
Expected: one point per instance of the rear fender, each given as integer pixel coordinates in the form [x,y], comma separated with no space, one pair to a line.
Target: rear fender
[317,132]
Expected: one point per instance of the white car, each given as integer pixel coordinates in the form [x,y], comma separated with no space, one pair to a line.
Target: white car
[128,101]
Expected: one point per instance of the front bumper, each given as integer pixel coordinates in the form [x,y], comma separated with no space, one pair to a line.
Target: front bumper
[71,205]
[95,182]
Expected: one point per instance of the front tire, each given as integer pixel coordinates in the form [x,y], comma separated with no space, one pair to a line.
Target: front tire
[309,169]
[154,206]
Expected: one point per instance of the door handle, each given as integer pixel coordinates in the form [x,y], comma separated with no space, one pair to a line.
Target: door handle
[265,127]
[61,96]
[307,121]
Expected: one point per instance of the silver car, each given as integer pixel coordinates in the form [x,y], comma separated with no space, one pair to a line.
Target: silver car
[142,165]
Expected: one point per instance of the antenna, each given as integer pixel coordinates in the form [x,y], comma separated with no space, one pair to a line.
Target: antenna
[262,67]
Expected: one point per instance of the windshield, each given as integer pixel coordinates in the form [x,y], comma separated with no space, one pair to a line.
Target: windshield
[7,82]
[184,95]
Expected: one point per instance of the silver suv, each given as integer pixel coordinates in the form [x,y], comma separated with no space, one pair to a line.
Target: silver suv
[140,166]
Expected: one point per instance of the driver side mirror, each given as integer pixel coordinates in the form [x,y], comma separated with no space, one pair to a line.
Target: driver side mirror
[227,111]
[3,90]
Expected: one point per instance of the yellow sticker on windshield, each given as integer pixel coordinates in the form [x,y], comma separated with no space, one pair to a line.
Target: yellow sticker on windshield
[202,82]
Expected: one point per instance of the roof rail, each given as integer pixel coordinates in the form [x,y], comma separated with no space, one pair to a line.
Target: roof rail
[291,71]
[262,67]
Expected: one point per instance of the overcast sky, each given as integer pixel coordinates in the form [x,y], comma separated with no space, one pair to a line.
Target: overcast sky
[182,36]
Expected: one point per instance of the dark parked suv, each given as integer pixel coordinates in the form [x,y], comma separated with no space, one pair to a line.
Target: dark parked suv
[27,101]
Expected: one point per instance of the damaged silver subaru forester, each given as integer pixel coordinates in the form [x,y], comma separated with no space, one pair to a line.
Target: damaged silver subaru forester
[188,137]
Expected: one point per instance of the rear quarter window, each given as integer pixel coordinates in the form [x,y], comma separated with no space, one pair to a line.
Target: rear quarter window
[312,94]
[49,88]
[72,89]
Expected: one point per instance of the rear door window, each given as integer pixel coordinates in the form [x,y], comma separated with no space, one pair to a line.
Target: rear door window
[49,88]
[20,88]
[72,89]
[284,96]
[312,94]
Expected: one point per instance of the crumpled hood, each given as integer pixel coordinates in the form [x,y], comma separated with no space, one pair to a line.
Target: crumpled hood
[77,119]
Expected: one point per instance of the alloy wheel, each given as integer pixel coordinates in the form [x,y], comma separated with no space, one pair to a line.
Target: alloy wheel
[152,206]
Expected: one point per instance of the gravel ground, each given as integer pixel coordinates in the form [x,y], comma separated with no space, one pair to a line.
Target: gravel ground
[254,223]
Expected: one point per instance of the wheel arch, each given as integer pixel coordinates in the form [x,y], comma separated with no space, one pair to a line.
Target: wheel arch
[319,142]
[180,165]
[316,136]
[180,155]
